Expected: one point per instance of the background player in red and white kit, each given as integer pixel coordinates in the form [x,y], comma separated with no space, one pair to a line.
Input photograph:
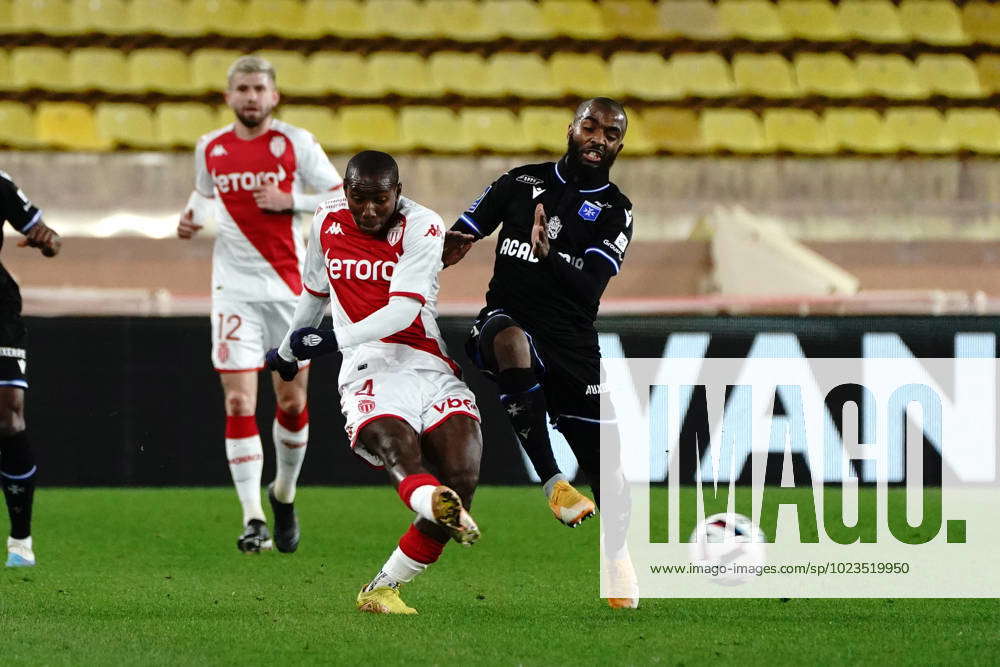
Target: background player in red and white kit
[376,256]
[251,177]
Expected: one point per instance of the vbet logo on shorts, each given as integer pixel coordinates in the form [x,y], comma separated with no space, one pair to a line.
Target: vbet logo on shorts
[795,477]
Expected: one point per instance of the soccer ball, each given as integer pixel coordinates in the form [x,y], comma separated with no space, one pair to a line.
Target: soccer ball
[729,548]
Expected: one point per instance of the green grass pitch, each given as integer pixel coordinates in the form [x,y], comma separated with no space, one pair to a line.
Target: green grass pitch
[152,577]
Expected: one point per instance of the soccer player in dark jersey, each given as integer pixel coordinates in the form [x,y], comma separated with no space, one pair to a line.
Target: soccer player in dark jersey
[564,228]
[17,463]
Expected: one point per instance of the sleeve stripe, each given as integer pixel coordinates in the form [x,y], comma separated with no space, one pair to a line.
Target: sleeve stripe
[32,222]
[337,186]
[412,295]
[467,220]
[321,295]
[608,257]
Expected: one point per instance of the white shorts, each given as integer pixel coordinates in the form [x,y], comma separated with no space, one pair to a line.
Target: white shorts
[424,399]
[243,331]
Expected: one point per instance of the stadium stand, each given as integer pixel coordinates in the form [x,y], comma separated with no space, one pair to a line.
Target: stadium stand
[735,130]
[126,125]
[68,125]
[17,125]
[764,74]
[860,130]
[814,20]
[751,19]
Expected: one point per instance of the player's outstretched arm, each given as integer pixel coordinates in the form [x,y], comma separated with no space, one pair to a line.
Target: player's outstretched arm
[456,246]
[308,313]
[43,237]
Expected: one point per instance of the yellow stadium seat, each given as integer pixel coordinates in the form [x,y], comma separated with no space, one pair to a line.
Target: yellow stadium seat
[99,68]
[890,76]
[403,19]
[223,116]
[183,123]
[702,74]
[583,74]
[51,17]
[764,74]
[637,142]
[988,68]
[871,21]
[321,121]
[344,74]
[919,129]
[497,130]
[520,19]
[647,76]
[752,19]
[7,24]
[291,73]
[403,73]
[815,20]
[463,74]
[950,74]
[578,19]
[797,130]
[281,18]
[209,68]
[694,19]
[736,130]
[632,19]
[546,127]
[672,130]
[523,74]
[68,125]
[933,22]
[222,17]
[42,67]
[828,74]
[126,125]
[5,76]
[160,70]
[433,128]
[371,126]
[461,20]
[343,18]
[161,17]
[981,21]
[17,126]
[110,17]
[974,129]
[859,130]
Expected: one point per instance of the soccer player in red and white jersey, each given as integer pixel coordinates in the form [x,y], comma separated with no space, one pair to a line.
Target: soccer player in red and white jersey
[375,256]
[251,176]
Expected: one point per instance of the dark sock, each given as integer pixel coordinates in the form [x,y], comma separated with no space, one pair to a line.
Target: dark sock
[17,476]
[524,401]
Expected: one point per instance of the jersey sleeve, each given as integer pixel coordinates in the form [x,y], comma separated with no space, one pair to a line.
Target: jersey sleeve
[613,238]
[15,207]
[315,168]
[416,272]
[485,213]
[314,276]
[203,182]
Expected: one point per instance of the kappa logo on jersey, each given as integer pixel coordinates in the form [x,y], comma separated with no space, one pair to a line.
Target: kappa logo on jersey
[589,211]
[247,180]
[518,249]
[366,405]
[395,235]
[621,241]
[536,191]
[455,403]
[553,226]
[475,202]
[277,146]
[358,269]
[530,180]
[334,228]
[433,230]
[219,151]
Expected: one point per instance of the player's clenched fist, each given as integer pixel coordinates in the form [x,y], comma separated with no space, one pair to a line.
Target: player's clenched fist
[269,197]
[187,227]
[43,237]
[456,245]
[286,369]
[310,342]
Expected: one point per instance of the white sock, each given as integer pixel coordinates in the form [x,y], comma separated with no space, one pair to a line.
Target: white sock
[399,569]
[420,501]
[246,461]
[23,542]
[289,451]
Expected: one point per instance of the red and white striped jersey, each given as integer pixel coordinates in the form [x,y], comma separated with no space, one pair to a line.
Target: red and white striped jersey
[258,255]
[359,272]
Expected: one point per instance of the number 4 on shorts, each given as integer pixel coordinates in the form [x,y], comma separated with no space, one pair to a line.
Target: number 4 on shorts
[368,389]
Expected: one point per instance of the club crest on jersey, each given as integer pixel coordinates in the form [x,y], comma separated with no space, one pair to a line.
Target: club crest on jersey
[530,180]
[395,235]
[589,211]
[621,241]
[277,146]
[365,406]
[553,227]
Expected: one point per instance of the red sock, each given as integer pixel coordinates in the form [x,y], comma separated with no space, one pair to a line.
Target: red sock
[411,483]
[419,546]
[291,421]
[241,426]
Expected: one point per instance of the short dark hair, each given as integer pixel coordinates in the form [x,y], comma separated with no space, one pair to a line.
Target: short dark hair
[372,164]
[614,105]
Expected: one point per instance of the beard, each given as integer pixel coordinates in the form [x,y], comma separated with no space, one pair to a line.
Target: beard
[252,122]
[576,162]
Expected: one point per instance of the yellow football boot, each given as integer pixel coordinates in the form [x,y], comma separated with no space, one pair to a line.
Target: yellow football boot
[569,505]
[448,512]
[384,600]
